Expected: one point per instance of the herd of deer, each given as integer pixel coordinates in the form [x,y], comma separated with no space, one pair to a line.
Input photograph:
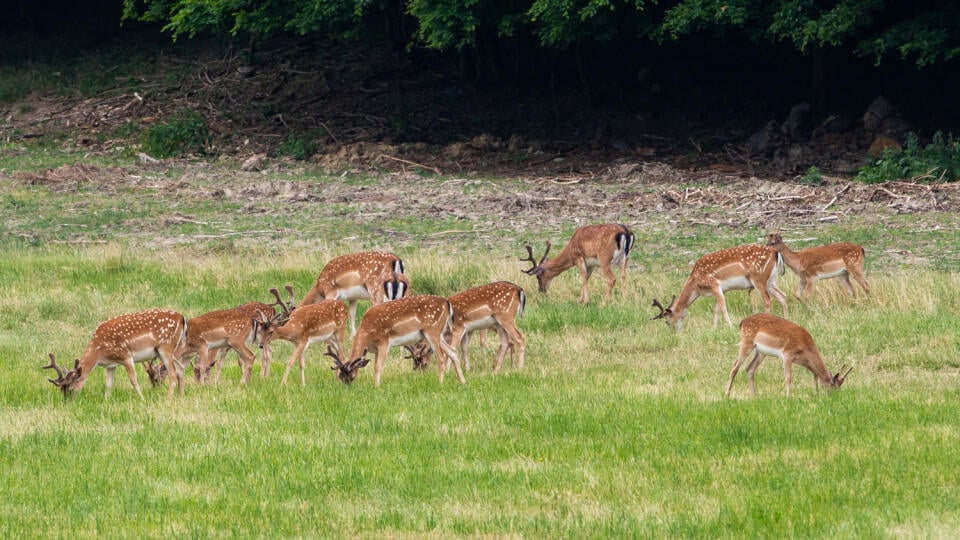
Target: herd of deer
[428,324]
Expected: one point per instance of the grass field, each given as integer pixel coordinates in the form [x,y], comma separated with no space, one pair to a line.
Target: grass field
[616,427]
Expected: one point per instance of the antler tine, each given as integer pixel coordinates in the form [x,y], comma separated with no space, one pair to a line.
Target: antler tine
[845,373]
[545,253]
[53,365]
[292,302]
[276,295]
[336,358]
[663,311]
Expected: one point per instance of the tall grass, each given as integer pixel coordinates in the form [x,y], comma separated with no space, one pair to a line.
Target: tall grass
[616,427]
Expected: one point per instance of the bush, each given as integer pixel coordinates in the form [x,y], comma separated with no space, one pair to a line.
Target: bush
[937,161]
[298,147]
[186,133]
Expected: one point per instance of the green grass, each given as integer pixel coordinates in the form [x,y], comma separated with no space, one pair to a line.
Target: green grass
[616,427]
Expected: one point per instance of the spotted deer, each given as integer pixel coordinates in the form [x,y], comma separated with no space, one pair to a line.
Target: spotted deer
[370,275]
[770,335]
[124,341]
[590,247]
[314,323]
[841,260]
[400,322]
[738,268]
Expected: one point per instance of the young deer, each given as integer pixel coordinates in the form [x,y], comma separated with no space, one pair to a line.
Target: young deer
[254,311]
[401,322]
[792,344]
[841,260]
[496,305]
[737,268]
[323,322]
[590,247]
[371,275]
[123,341]
[225,328]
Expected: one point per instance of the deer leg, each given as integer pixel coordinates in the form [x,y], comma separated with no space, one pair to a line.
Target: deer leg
[219,358]
[460,340]
[297,354]
[608,274]
[266,356]
[445,353]
[585,272]
[108,380]
[745,349]
[132,375]
[246,361]
[780,296]
[803,290]
[502,350]
[174,368]
[845,281]
[788,374]
[352,308]
[515,337]
[720,307]
[381,360]
[752,370]
[857,274]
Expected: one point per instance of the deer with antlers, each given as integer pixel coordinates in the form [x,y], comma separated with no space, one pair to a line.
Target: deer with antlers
[124,341]
[770,335]
[400,322]
[495,305]
[590,247]
[223,329]
[307,324]
[254,311]
[370,275]
[737,268]
[841,259]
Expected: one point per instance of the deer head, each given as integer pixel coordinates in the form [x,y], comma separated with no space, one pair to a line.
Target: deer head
[538,270]
[840,376]
[420,354]
[156,372]
[349,371]
[64,381]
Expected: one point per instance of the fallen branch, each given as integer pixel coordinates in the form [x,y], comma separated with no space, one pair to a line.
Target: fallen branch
[835,197]
[413,164]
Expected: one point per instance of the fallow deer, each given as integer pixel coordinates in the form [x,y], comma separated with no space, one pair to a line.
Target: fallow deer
[307,324]
[495,305]
[590,247]
[841,259]
[254,311]
[742,267]
[370,275]
[792,344]
[124,341]
[401,322]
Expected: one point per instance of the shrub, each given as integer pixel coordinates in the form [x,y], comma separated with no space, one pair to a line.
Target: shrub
[298,147]
[186,133]
[937,161]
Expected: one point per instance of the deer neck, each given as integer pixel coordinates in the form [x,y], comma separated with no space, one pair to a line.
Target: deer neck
[559,264]
[314,295]
[790,258]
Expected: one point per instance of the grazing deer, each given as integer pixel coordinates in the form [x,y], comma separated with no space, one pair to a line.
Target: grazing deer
[590,247]
[401,322]
[496,305]
[254,311]
[370,275]
[124,341]
[737,268]
[222,329]
[841,260]
[326,322]
[792,344]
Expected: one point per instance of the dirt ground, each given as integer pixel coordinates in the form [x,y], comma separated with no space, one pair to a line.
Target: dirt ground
[387,117]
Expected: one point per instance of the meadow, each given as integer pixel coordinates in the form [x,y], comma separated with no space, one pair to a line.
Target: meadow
[616,427]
